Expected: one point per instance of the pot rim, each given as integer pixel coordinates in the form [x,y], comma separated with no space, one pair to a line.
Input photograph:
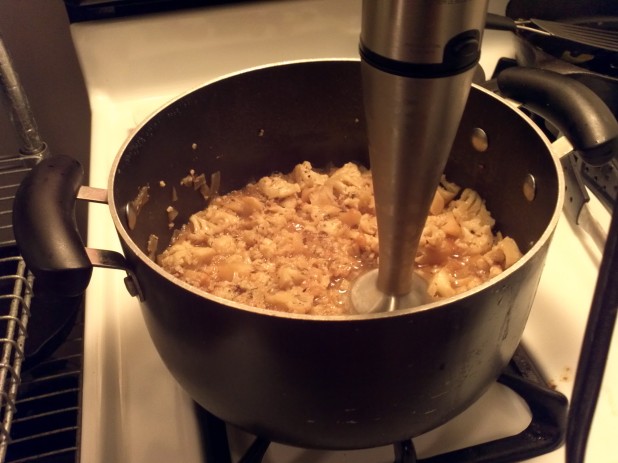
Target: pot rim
[435,305]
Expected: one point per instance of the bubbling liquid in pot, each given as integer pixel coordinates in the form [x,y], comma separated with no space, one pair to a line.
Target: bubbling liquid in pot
[296,242]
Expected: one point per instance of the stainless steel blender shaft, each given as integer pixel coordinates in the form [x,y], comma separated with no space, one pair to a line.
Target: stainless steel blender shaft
[418,58]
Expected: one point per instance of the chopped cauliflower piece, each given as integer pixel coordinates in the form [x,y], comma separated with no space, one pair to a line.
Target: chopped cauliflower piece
[296,242]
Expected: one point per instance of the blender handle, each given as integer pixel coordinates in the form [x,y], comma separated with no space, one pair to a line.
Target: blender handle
[45,228]
[573,108]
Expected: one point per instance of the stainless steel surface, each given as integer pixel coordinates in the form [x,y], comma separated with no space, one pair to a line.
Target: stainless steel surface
[413,110]
[417,32]
[95,195]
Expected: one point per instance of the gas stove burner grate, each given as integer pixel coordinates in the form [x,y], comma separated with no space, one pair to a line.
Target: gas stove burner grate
[545,433]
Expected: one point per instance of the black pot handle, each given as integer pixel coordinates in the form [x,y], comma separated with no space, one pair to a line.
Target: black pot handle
[500,23]
[45,228]
[572,107]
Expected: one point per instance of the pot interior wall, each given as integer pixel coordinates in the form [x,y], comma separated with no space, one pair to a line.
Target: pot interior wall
[268,120]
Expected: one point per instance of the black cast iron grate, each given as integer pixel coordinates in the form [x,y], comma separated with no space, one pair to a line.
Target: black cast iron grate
[545,433]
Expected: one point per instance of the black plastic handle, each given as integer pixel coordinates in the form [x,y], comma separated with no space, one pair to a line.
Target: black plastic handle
[572,107]
[45,228]
[499,23]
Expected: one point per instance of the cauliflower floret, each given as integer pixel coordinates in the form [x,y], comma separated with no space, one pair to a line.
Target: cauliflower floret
[277,187]
[294,301]
[297,242]
[471,206]
[306,177]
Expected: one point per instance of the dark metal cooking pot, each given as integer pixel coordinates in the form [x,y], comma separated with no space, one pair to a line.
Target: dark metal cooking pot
[338,382]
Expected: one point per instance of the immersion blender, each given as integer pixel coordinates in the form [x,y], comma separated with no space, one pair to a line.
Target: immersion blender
[418,58]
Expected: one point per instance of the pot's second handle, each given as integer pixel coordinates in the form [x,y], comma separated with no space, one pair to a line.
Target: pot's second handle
[500,23]
[572,107]
[45,229]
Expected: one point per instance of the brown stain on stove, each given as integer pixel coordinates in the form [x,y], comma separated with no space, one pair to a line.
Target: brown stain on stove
[564,377]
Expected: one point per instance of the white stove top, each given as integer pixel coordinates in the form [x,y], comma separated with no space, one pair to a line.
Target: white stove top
[133,410]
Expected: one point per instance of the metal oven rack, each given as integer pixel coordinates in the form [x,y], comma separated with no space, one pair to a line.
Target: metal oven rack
[44,381]
[15,299]
[40,382]
[15,281]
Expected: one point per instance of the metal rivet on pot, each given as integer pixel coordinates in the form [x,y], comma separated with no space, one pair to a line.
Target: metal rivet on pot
[529,187]
[131,216]
[480,142]
[131,287]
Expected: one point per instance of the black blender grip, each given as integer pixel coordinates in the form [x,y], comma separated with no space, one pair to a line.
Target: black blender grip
[45,228]
[579,113]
